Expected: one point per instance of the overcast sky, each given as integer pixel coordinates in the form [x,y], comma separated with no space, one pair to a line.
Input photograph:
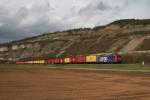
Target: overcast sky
[25,18]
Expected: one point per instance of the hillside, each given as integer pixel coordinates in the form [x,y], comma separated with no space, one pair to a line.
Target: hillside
[128,37]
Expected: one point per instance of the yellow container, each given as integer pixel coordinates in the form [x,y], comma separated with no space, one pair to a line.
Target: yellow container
[91,58]
[34,62]
[41,61]
[37,62]
[67,60]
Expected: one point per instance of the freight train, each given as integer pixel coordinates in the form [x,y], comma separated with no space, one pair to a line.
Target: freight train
[106,58]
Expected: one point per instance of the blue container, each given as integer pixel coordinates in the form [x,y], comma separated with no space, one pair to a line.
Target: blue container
[110,58]
[106,59]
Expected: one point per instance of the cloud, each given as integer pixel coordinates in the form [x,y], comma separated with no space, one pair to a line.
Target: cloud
[96,12]
[95,6]
[25,18]
[27,21]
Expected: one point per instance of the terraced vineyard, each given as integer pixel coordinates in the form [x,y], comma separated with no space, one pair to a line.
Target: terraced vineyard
[124,36]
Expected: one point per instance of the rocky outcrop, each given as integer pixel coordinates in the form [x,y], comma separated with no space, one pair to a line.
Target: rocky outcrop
[3,49]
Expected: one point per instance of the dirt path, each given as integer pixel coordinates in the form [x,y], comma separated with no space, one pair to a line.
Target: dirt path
[133,44]
[52,84]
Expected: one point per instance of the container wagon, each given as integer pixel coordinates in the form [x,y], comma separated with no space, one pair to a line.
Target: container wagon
[108,58]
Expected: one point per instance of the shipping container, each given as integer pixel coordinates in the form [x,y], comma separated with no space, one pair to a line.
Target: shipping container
[61,60]
[103,59]
[25,62]
[81,59]
[20,62]
[38,61]
[35,62]
[49,61]
[73,60]
[91,59]
[52,60]
[56,60]
[98,58]
[29,62]
[41,61]
[67,60]
[110,58]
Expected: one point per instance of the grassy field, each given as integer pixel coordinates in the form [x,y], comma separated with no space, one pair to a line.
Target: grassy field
[113,67]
